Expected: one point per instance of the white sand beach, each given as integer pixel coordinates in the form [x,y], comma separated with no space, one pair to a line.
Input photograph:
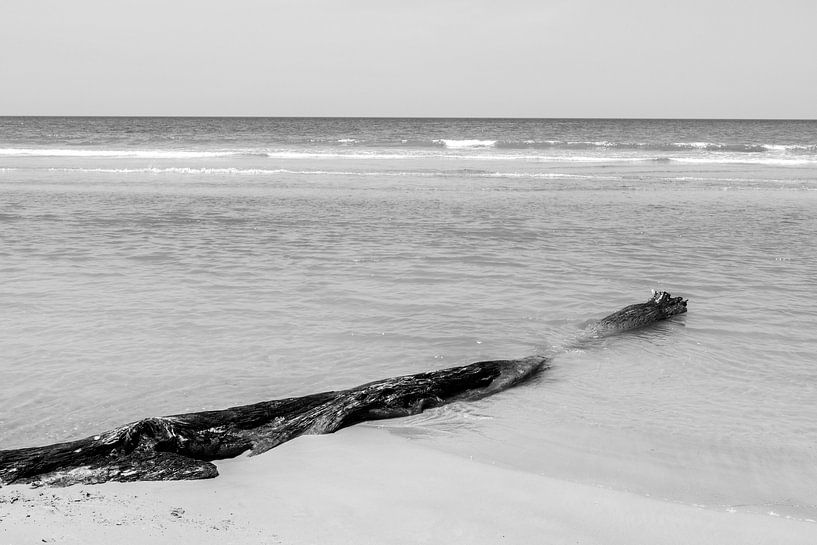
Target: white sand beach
[365,485]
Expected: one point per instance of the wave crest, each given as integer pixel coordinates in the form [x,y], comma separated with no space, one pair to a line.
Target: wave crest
[453,173]
[460,144]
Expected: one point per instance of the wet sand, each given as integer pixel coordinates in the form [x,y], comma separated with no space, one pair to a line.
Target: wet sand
[364,485]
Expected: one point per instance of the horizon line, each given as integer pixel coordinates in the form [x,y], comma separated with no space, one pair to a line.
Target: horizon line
[387,117]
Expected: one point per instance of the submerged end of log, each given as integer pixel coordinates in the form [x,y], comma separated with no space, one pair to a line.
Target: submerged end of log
[659,307]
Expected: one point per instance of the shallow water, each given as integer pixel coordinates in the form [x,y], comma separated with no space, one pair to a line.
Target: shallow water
[152,272]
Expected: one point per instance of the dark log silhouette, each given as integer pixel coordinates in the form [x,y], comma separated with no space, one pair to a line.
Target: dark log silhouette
[182,446]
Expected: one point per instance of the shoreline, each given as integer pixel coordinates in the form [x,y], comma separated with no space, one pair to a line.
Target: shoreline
[366,485]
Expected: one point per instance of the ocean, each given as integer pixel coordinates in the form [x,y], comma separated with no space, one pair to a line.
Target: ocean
[154,266]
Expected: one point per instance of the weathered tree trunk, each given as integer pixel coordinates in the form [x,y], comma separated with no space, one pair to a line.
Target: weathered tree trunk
[182,446]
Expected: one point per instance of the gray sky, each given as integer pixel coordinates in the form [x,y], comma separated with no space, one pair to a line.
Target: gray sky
[515,58]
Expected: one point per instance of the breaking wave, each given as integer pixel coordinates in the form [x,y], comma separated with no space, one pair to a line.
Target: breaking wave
[663,146]
[568,145]
[460,144]
[458,173]
[556,151]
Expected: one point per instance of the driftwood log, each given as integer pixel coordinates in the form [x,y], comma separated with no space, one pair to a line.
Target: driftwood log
[183,446]
[660,307]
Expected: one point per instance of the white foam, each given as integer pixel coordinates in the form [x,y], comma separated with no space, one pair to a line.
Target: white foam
[459,144]
[598,143]
[745,160]
[461,153]
[292,154]
[478,150]
[693,145]
[790,147]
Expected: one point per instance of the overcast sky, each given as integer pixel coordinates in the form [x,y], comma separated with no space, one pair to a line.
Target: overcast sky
[515,58]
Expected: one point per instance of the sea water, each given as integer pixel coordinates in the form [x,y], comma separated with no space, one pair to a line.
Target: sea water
[153,266]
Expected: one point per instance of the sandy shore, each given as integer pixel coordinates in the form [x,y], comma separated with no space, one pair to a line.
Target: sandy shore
[364,485]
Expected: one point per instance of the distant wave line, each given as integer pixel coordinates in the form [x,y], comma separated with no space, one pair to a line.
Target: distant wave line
[774,160]
[474,173]
[366,148]
[135,154]
[378,155]
[474,143]
[454,173]
[467,152]
[747,160]
[468,173]
[666,146]
[461,144]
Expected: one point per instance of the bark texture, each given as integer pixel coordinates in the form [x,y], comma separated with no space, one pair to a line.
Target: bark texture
[182,446]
